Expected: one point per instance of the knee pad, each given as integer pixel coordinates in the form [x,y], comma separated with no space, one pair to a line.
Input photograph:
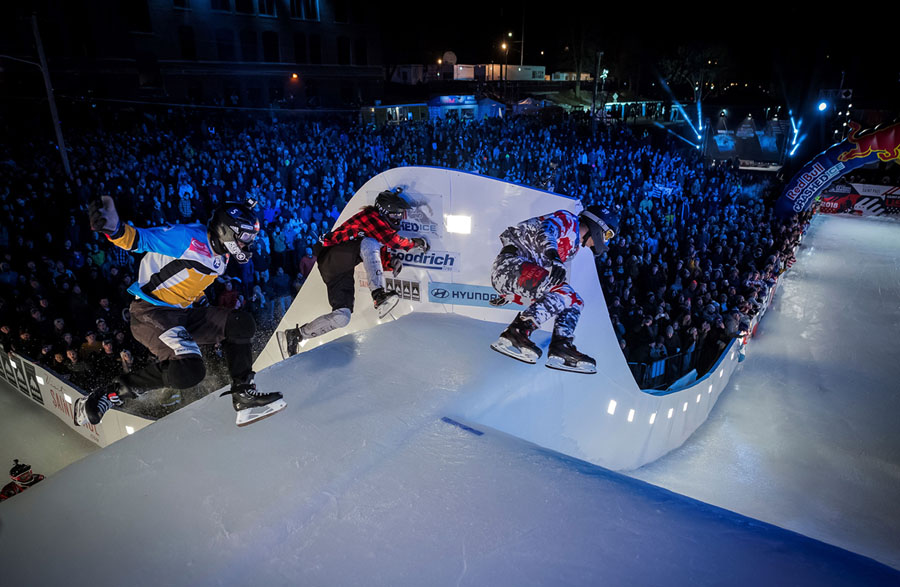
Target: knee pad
[184,373]
[240,327]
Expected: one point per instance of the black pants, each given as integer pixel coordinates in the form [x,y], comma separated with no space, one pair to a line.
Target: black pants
[173,335]
[336,265]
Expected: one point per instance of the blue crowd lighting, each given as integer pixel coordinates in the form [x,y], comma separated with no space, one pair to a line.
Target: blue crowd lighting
[678,107]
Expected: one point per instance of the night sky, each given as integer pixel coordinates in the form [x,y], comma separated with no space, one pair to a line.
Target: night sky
[773,46]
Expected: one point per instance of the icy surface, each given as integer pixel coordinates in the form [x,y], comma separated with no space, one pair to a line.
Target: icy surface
[807,435]
[360,481]
[35,436]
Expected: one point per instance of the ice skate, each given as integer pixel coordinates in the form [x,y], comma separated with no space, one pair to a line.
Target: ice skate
[563,355]
[89,409]
[385,301]
[289,341]
[252,405]
[515,342]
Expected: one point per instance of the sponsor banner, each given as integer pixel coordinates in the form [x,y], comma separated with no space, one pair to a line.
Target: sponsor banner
[463,294]
[861,200]
[434,260]
[425,219]
[408,290]
[819,173]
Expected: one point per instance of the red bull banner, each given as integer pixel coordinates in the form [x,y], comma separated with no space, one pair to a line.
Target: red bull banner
[880,144]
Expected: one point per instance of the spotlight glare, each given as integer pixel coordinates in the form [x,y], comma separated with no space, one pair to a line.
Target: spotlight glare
[822,106]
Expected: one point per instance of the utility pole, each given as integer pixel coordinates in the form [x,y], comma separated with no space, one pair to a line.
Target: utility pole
[594,97]
[522,52]
[61,143]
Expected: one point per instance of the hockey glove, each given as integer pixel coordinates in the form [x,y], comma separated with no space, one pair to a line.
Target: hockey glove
[103,215]
[557,268]
[421,244]
[396,266]
[499,301]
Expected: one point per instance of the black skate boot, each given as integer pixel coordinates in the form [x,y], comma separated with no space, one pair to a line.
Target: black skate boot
[384,301]
[515,341]
[89,409]
[252,405]
[289,341]
[563,355]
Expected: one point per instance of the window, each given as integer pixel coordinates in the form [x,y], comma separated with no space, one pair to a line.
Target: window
[276,94]
[270,46]
[220,5]
[342,11]
[249,51]
[305,9]
[299,48]
[243,6]
[266,7]
[343,46]
[225,44]
[137,15]
[255,96]
[361,52]
[315,49]
[187,42]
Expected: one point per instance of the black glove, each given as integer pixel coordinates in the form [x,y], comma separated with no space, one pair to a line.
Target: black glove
[557,268]
[103,215]
[421,243]
[396,265]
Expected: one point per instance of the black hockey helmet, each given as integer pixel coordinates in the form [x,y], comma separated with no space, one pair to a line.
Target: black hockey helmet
[391,205]
[20,473]
[602,225]
[232,228]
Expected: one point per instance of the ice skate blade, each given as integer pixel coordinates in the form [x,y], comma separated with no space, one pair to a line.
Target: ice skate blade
[79,417]
[385,308]
[250,415]
[504,348]
[560,365]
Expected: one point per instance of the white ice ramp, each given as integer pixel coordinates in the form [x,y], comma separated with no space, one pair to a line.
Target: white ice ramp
[371,477]
[602,418]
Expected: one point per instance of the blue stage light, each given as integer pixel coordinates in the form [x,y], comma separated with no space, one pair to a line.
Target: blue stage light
[823,106]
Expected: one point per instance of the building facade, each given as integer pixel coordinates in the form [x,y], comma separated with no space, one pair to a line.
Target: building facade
[247,53]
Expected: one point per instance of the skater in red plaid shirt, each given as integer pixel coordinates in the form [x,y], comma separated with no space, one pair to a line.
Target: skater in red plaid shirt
[365,237]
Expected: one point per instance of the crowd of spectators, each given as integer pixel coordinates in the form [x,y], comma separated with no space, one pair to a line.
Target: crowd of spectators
[698,248]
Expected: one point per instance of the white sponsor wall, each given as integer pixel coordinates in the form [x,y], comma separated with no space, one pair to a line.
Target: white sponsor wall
[55,395]
[603,418]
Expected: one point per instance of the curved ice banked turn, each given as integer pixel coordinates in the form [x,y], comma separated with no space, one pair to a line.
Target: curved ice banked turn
[361,481]
[602,418]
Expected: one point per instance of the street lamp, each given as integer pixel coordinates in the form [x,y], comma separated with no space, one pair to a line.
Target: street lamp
[61,143]
[505,76]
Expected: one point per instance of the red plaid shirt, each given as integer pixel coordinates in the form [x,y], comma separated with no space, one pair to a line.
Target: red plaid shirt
[368,223]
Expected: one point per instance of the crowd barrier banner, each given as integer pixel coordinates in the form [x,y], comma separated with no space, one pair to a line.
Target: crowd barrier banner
[55,395]
[879,144]
[859,199]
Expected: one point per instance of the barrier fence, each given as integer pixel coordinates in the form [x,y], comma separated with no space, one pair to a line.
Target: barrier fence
[56,395]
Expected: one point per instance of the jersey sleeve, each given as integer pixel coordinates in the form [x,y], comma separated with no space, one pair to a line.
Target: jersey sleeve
[549,234]
[386,234]
[166,240]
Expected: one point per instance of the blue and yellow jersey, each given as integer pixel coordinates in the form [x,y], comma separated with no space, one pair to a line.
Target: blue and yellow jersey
[179,265]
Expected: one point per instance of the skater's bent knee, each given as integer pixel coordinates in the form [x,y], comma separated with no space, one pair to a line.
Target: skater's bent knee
[240,327]
[184,373]
[341,317]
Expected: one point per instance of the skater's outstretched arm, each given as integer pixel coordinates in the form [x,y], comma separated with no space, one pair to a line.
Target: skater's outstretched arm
[167,240]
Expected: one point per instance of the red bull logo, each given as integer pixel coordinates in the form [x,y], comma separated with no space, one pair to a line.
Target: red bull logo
[883,143]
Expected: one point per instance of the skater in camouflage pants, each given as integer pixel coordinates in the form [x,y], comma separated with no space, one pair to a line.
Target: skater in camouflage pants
[530,269]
